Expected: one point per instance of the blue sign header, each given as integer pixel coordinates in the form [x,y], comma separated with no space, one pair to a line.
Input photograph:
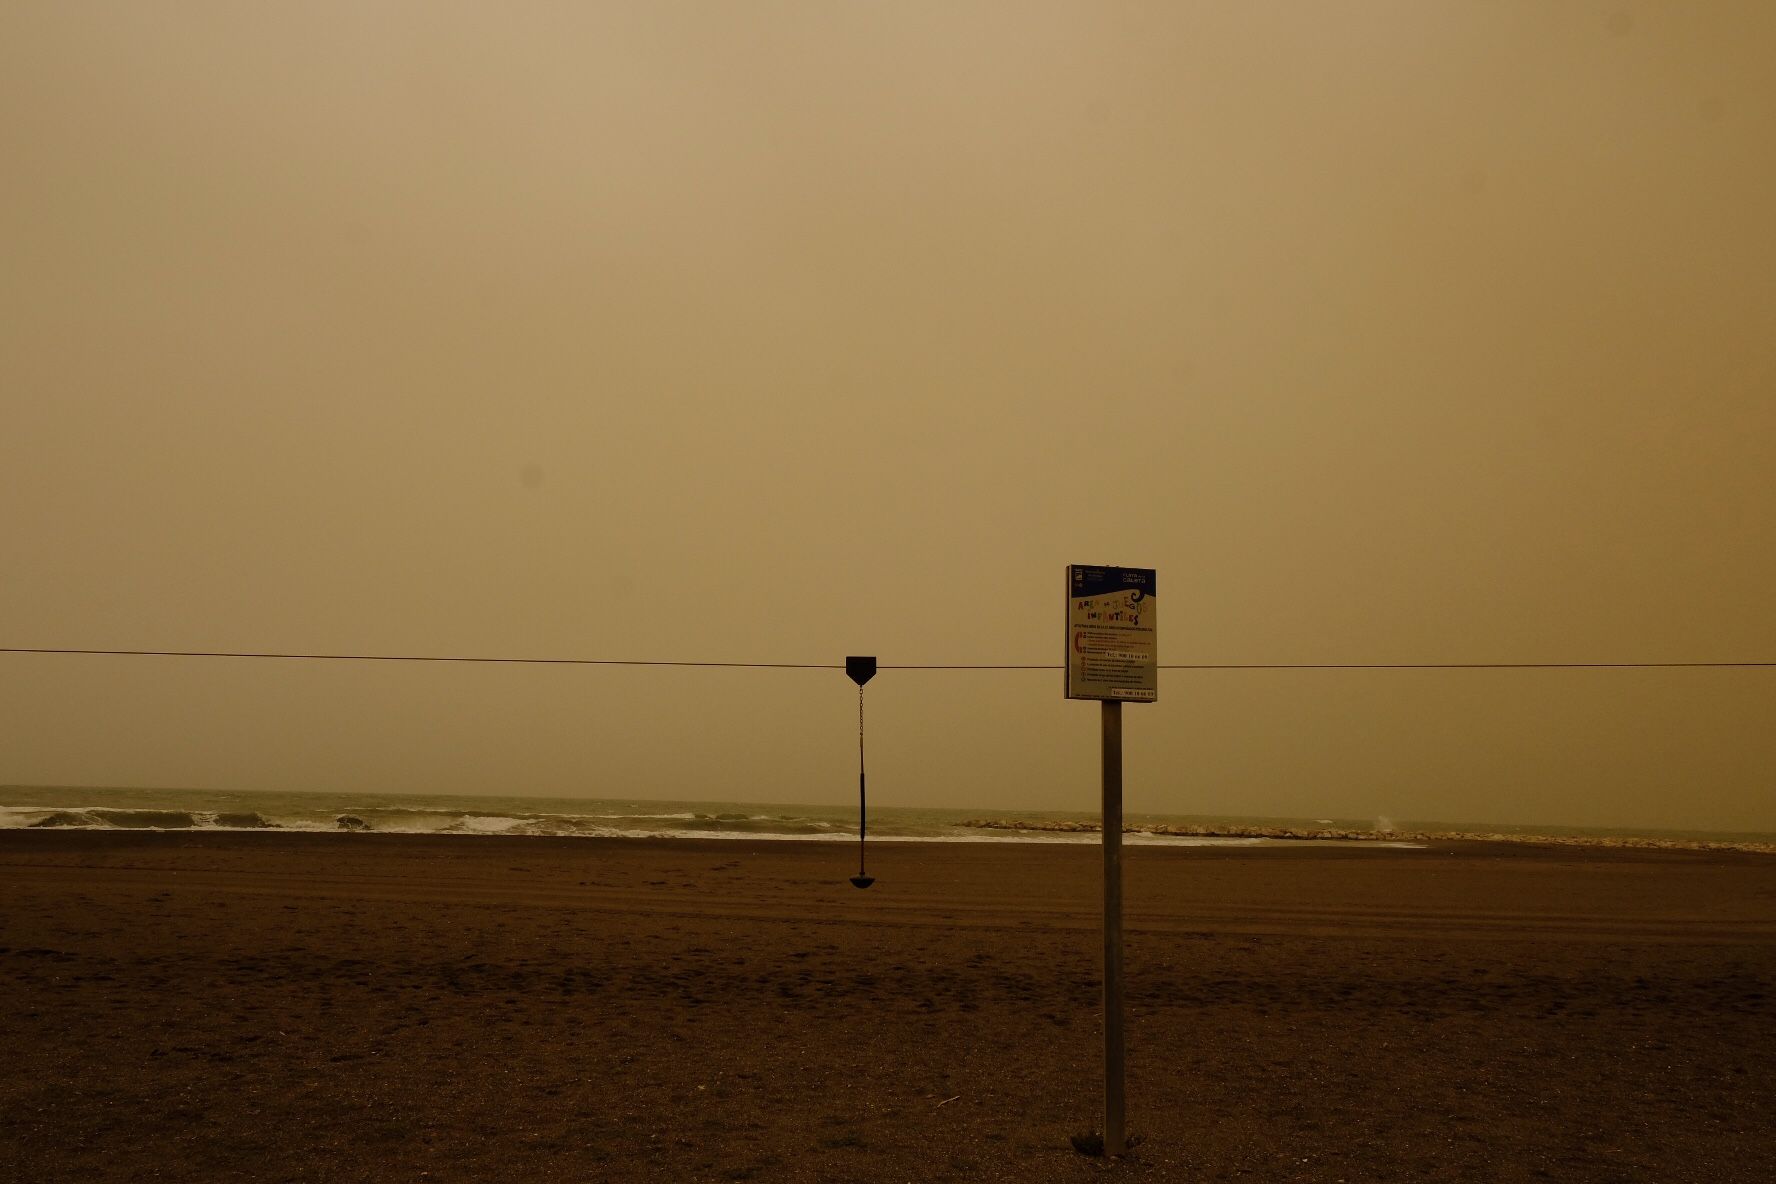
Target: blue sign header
[1097,581]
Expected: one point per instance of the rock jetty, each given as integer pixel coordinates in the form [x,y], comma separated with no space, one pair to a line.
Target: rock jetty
[1235,831]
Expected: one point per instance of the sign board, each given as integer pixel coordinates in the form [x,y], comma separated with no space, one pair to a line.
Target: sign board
[1112,645]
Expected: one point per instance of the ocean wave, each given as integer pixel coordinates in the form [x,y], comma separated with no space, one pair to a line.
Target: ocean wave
[65,818]
[728,825]
[242,821]
[107,818]
[745,824]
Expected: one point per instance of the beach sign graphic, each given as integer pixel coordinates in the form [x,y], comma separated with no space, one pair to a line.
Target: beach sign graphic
[1112,634]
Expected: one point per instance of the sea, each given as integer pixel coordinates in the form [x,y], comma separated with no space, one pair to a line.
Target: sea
[88,808]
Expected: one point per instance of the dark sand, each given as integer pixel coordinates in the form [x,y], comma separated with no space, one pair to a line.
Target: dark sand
[211,1007]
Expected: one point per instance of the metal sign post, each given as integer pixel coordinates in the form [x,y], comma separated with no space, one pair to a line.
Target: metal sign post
[1115,1139]
[1112,656]
[861,669]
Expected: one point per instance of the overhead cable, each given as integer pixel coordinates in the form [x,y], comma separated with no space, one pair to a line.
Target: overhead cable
[885,665]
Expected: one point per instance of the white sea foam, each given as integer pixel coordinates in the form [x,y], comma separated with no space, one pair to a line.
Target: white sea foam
[438,821]
[205,810]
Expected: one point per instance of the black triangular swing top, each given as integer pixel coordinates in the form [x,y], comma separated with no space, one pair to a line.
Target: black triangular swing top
[861,671]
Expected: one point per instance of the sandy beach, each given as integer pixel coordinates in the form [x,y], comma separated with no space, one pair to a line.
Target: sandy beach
[361,1007]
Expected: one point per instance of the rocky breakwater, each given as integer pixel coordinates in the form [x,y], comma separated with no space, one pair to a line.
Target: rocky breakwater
[1181,830]
[1062,824]
[1235,831]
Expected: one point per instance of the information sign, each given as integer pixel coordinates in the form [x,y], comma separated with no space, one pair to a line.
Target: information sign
[1112,645]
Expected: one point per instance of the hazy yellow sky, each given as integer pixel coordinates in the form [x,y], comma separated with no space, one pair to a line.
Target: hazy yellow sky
[1400,331]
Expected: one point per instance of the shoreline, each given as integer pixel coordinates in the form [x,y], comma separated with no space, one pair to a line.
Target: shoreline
[1036,836]
[101,808]
[1032,832]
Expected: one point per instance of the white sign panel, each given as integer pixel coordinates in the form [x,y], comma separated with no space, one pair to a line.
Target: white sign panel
[1112,643]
